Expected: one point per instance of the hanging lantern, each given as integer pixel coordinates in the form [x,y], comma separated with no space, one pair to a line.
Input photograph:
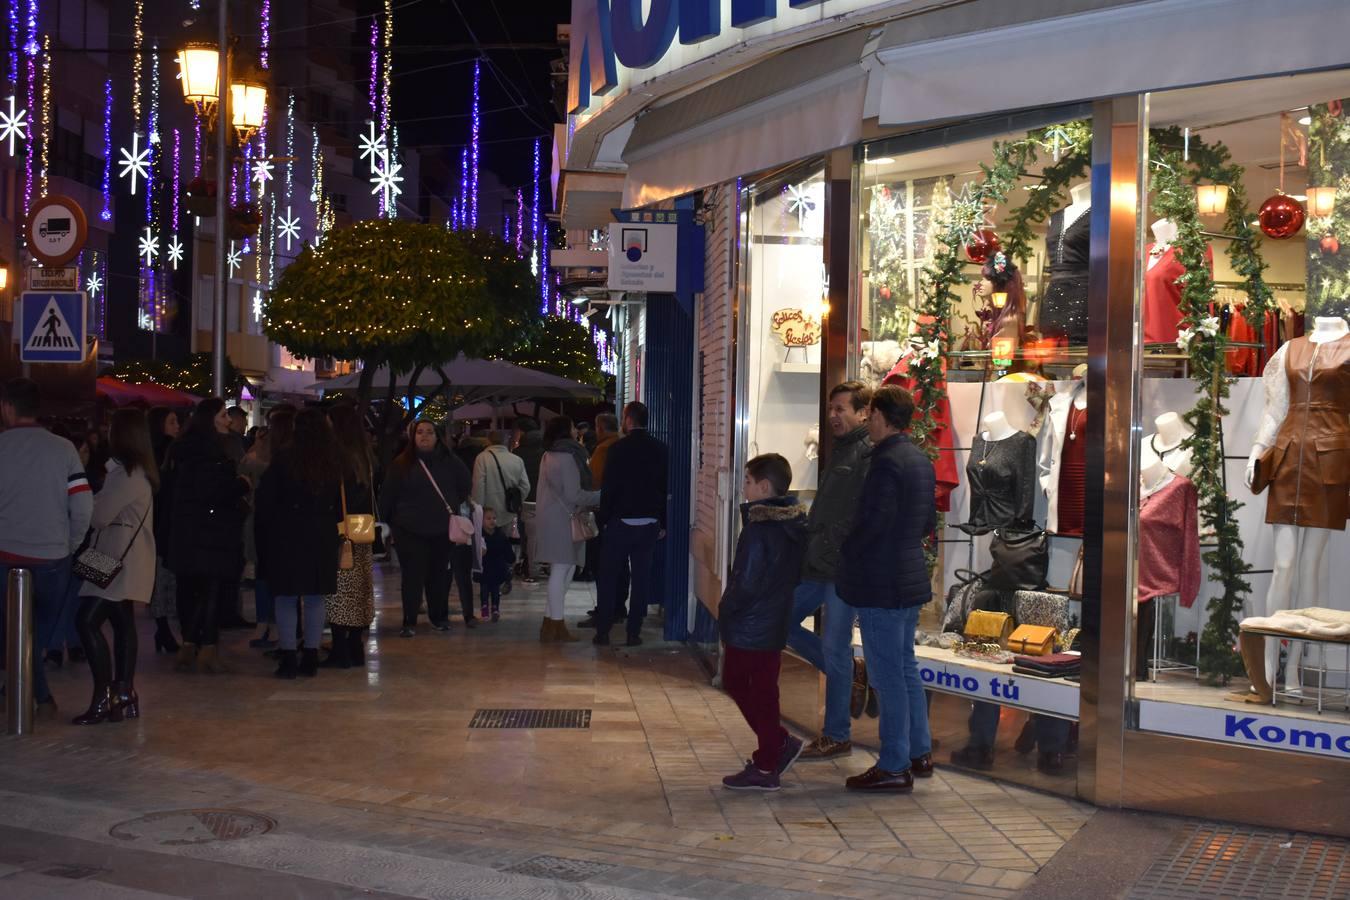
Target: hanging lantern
[248,100]
[983,245]
[1211,199]
[1321,201]
[1281,217]
[199,65]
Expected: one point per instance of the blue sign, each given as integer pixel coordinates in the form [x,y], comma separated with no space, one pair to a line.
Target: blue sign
[53,327]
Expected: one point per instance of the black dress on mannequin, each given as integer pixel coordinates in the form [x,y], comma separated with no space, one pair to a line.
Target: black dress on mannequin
[1002,478]
[1064,313]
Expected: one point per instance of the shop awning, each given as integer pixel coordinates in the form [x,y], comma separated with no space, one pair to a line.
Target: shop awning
[798,104]
[121,393]
[989,56]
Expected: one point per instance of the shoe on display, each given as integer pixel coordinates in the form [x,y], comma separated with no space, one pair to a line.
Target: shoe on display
[877,779]
[981,758]
[792,748]
[825,747]
[751,779]
[922,766]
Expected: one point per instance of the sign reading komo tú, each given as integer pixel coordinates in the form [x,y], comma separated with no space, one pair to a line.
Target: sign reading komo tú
[612,37]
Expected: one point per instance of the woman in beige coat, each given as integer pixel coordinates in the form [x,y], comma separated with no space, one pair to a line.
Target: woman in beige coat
[123,528]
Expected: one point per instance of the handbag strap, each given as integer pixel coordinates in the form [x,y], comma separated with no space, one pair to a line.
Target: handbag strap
[135,534]
[342,492]
[497,463]
[436,487]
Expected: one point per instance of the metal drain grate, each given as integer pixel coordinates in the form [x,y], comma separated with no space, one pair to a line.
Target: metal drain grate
[531,718]
[559,868]
[74,873]
[1227,862]
[193,826]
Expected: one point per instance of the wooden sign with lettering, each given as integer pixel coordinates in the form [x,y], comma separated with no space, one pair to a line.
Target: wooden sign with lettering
[795,328]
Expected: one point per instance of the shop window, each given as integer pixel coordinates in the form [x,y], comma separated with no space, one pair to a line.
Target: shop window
[1244,486]
[973,291]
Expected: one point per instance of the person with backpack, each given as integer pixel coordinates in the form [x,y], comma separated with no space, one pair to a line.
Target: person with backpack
[500,482]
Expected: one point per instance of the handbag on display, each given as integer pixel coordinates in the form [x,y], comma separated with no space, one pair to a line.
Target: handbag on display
[961,599]
[584,526]
[1032,640]
[1076,577]
[1264,472]
[98,568]
[1021,559]
[1042,608]
[988,627]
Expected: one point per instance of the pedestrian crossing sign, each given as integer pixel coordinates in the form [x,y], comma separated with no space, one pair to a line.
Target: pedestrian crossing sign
[54,325]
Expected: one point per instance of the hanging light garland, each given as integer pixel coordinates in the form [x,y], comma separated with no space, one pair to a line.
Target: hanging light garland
[196,144]
[387,72]
[106,213]
[14,44]
[374,69]
[535,255]
[138,46]
[473,151]
[30,69]
[152,139]
[520,224]
[265,32]
[46,110]
[177,175]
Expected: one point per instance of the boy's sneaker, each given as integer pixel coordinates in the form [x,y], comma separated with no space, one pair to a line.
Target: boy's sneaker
[751,779]
[792,748]
[485,611]
[496,616]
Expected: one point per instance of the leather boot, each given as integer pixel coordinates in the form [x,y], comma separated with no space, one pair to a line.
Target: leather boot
[124,696]
[561,634]
[287,668]
[340,656]
[356,646]
[309,662]
[100,708]
[187,658]
[208,659]
[547,632]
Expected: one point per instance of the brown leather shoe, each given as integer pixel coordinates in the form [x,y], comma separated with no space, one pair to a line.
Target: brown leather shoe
[922,767]
[825,747]
[875,779]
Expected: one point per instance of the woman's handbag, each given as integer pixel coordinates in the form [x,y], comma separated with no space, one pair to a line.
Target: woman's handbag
[987,627]
[961,600]
[461,527]
[359,528]
[584,527]
[1021,560]
[98,568]
[1032,640]
[1042,608]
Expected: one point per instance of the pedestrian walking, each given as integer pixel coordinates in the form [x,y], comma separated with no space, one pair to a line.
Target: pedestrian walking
[498,557]
[45,509]
[887,587]
[562,495]
[527,442]
[351,608]
[500,483]
[281,428]
[754,615]
[633,519]
[123,529]
[298,510]
[425,484]
[206,502]
[163,427]
[832,512]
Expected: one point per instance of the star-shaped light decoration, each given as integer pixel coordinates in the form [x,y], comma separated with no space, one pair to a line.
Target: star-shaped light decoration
[94,284]
[175,251]
[372,145]
[149,246]
[135,162]
[262,173]
[13,124]
[288,226]
[800,203]
[235,258]
[386,179]
[257,306]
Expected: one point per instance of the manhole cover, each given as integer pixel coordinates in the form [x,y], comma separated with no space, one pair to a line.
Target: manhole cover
[193,826]
[531,718]
[559,868]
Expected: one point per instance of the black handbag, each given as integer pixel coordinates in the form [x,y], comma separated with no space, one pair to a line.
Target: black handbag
[1021,559]
[515,500]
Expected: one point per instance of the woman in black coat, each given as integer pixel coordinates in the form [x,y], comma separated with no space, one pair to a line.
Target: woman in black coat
[204,499]
[295,524]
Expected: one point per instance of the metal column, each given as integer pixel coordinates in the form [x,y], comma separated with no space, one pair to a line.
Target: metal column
[224,122]
[19,653]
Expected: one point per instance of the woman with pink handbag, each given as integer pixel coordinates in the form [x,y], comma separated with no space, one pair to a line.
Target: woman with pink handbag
[423,490]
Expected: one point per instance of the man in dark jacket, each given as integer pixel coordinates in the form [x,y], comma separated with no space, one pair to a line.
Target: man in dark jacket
[754,615]
[633,516]
[830,519]
[527,442]
[884,575]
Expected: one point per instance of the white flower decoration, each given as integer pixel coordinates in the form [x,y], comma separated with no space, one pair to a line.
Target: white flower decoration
[1184,338]
[1209,326]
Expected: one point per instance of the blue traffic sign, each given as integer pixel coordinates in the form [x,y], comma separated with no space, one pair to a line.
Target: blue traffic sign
[54,327]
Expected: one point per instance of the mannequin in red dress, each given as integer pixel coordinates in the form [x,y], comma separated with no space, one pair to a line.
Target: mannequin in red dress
[1162,292]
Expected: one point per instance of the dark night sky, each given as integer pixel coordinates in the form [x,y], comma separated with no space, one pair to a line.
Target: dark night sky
[433,77]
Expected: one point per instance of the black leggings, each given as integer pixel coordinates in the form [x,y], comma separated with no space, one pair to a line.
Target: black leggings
[94,611]
[198,599]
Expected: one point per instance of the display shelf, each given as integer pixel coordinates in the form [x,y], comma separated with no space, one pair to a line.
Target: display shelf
[797,368]
[991,682]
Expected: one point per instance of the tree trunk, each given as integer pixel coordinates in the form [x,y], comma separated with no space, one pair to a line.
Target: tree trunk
[364,386]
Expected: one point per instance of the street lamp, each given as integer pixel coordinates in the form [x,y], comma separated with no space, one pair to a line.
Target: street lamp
[248,100]
[199,64]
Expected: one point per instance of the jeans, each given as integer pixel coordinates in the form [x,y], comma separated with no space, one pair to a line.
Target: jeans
[751,678]
[461,567]
[893,671]
[264,604]
[287,615]
[633,545]
[424,564]
[1052,735]
[51,586]
[830,652]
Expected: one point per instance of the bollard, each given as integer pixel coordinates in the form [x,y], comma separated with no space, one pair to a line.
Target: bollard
[19,653]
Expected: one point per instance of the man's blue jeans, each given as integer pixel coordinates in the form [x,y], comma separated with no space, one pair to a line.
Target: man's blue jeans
[288,617]
[1052,735]
[893,671]
[830,652]
[51,584]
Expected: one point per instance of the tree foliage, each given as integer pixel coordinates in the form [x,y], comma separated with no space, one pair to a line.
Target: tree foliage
[192,375]
[562,347]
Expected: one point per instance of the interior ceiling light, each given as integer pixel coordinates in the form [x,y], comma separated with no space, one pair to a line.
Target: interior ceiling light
[881,161]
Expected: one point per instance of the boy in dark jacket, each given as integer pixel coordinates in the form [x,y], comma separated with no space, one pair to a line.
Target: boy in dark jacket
[755,613]
[498,558]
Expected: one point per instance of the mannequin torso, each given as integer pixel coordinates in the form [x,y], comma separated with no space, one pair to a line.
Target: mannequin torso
[1165,444]
[996,427]
[1164,233]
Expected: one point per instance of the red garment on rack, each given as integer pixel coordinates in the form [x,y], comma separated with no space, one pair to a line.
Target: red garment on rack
[1162,295]
[1169,542]
[1243,360]
[1270,337]
[944,467]
[1073,473]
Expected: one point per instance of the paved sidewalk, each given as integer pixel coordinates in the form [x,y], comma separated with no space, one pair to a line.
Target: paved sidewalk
[375,782]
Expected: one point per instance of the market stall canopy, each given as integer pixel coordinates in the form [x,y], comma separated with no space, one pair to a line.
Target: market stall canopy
[477,380]
[120,393]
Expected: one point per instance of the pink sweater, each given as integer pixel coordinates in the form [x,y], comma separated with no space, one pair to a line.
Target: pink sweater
[1169,542]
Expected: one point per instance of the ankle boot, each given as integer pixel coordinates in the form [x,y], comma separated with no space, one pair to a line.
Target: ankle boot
[309,662]
[356,646]
[187,658]
[561,634]
[340,655]
[547,632]
[287,668]
[164,639]
[124,697]
[210,662]
[100,708]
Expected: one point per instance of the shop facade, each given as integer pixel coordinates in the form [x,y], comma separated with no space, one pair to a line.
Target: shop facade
[1035,244]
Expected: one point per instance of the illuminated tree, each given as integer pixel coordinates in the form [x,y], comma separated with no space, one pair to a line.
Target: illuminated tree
[562,347]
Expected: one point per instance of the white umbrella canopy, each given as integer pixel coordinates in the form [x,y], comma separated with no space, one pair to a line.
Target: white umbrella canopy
[477,379]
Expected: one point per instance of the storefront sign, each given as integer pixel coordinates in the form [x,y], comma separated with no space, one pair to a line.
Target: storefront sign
[795,328]
[643,256]
[1052,696]
[1248,726]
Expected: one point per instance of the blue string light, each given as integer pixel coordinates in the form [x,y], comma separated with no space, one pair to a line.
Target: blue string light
[473,153]
[106,213]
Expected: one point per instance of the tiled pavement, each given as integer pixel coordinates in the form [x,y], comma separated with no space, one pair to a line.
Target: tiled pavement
[377,785]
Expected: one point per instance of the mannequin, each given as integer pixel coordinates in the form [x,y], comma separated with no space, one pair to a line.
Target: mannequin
[1153,477]
[1168,551]
[1164,233]
[1309,496]
[1162,287]
[1165,444]
[1063,311]
[996,427]
[1062,435]
[1080,196]
[1001,474]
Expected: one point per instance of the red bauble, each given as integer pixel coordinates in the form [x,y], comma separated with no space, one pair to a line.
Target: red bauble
[983,245]
[1281,217]
[885,292]
[1330,245]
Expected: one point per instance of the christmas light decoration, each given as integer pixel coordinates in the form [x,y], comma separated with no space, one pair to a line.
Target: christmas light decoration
[135,161]
[138,45]
[94,284]
[196,144]
[31,46]
[148,246]
[520,224]
[290,144]
[473,152]
[534,217]
[372,145]
[175,251]
[235,258]
[262,173]
[177,183]
[46,110]
[463,199]
[13,45]
[30,70]
[154,93]
[288,226]
[265,32]
[387,72]
[106,213]
[386,180]
[13,125]
[152,138]
[544,286]
[257,306]
[374,68]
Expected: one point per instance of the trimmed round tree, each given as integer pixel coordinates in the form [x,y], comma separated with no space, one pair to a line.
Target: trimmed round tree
[564,348]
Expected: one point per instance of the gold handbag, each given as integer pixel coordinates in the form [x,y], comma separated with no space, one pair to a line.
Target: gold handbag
[1032,640]
[987,627]
[359,528]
